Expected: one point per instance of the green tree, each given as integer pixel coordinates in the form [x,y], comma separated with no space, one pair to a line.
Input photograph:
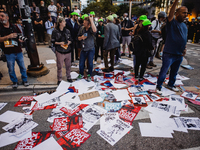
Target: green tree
[123,8]
[101,9]
[138,11]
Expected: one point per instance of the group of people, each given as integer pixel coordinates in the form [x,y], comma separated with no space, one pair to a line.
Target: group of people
[85,38]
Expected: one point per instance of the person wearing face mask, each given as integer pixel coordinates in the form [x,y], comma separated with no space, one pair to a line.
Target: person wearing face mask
[126,27]
[10,44]
[61,38]
[72,24]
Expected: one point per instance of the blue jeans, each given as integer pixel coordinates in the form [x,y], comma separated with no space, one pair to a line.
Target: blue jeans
[169,61]
[86,54]
[18,57]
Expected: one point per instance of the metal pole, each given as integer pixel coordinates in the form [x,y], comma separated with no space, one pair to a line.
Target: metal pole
[130,6]
[28,32]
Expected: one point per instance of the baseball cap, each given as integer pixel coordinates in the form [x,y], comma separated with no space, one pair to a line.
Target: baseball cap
[146,22]
[83,16]
[114,15]
[100,20]
[92,13]
[143,17]
[110,17]
[74,13]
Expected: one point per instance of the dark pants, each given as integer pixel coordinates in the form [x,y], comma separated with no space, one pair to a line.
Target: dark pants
[74,50]
[40,33]
[117,53]
[140,60]
[99,45]
[86,54]
[112,56]
[169,61]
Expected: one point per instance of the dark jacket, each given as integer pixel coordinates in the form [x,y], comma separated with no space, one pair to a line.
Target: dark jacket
[58,36]
[100,31]
[73,30]
[111,36]
[146,45]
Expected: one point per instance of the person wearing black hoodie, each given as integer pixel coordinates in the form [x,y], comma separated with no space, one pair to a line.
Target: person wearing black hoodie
[144,53]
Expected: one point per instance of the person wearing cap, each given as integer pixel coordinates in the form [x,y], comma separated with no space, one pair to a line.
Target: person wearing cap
[127,26]
[156,33]
[82,18]
[86,36]
[53,10]
[77,10]
[111,43]
[72,24]
[175,46]
[141,57]
[61,39]
[99,39]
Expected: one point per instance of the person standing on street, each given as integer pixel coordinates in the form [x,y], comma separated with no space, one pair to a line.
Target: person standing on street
[53,10]
[39,28]
[146,46]
[49,27]
[126,27]
[77,10]
[175,46]
[11,47]
[73,26]
[157,36]
[61,38]
[86,35]
[111,43]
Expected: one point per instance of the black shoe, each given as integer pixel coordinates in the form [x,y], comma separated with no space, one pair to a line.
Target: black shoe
[129,56]
[152,64]
[106,70]
[15,85]
[123,54]
[25,83]
[58,82]
[69,80]
[141,79]
[136,77]
[111,68]
[50,46]
[149,67]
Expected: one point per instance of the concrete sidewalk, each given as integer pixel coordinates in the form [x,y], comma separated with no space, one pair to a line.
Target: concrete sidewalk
[49,81]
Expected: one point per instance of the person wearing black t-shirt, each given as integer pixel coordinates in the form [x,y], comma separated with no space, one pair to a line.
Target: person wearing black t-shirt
[39,28]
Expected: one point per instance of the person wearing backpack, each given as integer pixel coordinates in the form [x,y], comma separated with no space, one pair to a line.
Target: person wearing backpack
[144,47]
[157,35]
[87,37]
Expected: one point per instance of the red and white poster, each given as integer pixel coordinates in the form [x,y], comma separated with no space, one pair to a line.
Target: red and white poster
[36,107]
[71,112]
[24,101]
[128,113]
[73,139]
[68,123]
[35,139]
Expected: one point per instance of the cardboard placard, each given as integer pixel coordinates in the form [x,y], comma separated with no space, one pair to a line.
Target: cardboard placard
[89,95]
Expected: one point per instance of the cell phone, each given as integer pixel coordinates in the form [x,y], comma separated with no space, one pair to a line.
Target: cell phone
[85,34]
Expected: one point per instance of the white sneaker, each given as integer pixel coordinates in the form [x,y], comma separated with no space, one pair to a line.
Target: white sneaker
[158,90]
[95,63]
[175,89]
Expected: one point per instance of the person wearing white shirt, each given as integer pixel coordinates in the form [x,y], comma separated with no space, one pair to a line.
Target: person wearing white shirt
[156,33]
[77,10]
[53,10]
[49,27]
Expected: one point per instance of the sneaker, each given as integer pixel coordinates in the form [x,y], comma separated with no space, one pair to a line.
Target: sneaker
[102,61]
[89,78]
[158,90]
[111,68]
[69,80]
[173,88]
[58,82]
[106,70]
[80,76]
[141,79]
[149,67]
[15,85]
[152,64]
[95,63]
[25,83]
[129,56]
[136,77]
[123,54]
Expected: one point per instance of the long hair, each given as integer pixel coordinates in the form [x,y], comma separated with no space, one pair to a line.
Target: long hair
[142,29]
[59,20]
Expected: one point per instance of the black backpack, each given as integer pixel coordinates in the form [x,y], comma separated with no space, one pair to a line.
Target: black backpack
[136,44]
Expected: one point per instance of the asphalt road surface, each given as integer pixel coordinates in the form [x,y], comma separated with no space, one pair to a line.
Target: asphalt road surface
[132,140]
